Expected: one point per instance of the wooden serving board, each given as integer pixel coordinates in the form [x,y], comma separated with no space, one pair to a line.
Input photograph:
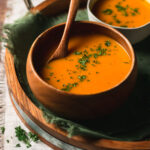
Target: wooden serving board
[32,116]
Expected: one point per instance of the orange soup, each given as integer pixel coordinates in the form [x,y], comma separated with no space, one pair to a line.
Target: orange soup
[123,13]
[96,63]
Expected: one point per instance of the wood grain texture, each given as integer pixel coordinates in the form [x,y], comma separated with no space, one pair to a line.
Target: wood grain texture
[36,115]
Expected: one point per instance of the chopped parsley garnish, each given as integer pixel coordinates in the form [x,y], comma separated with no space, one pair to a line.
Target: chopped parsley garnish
[97,72]
[96,62]
[81,78]
[51,73]
[69,86]
[58,80]
[116,20]
[18,145]
[74,84]
[95,55]
[33,137]
[2,130]
[107,43]
[125,26]
[25,137]
[126,62]
[77,53]
[48,67]
[83,61]
[47,78]
[122,9]
[107,11]
[7,141]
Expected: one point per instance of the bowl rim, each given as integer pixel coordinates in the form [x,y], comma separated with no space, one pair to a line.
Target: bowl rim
[116,27]
[31,50]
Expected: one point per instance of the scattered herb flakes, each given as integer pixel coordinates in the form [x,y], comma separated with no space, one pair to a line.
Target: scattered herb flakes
[2,130]
[107,43]
[18,145]
[116,19]
[107,11]
[77,53]
[96,62]
[97,72]
[51,73]
[126,62]
[110,23]
[71,77]
[25,137]
[82,78]
[122,9]
[22,135]
[124,26]
[58,80]
[33,137]
[95,55]
[7,141]
[77,66]
[69,86]
[47,67]
[88,80]
[85,51]
[47,79]
[91,49]
[134,11]
[74,84]
[99,48]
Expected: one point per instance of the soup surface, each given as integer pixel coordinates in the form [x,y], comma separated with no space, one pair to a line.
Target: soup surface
[123,13]
[96,63]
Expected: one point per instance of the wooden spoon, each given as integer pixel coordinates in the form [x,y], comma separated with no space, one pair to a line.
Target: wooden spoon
[62,48]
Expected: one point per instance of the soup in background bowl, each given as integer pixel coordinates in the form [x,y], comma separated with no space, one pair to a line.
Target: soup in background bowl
[130,17]
[94,79]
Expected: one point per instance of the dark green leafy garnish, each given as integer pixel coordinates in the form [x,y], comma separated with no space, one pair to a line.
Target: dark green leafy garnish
[116,20]
[51,73]
[2,130]
[125,26]
[69,86]
[22,136]
[47,78]
[25,137]
[126,62]
[81,78]
[107,11]
[18,145]
[95,55]
[58,80]
[107,43]
[33,137]
[77,53]
[122,9]
[7,141]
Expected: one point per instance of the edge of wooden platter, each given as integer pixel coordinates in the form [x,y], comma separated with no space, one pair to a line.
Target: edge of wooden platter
[23,104]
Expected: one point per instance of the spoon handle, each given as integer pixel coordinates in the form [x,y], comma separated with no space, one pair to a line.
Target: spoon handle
[62,48]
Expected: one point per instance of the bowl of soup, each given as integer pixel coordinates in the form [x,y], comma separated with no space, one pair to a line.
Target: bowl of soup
[92,81]
[131,17]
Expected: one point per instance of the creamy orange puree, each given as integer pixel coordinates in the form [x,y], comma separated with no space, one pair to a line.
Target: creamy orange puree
[96,63]
[123,13]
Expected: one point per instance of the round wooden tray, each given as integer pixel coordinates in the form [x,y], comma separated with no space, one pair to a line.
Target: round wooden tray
[32,116]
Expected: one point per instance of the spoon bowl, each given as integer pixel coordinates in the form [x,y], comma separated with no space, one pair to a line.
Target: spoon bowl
[77,106]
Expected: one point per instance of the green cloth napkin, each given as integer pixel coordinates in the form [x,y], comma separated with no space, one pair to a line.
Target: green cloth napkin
[131,122]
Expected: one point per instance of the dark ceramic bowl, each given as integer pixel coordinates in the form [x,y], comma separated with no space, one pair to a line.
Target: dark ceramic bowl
[76,106]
